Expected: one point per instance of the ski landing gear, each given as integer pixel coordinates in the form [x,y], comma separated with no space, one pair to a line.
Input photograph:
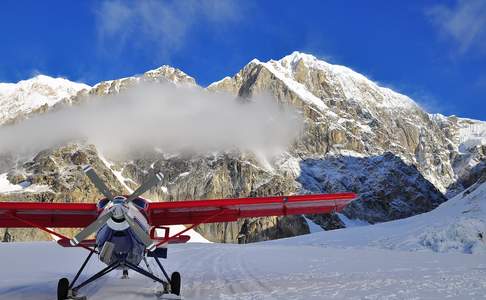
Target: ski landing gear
[125,274]
[66,290]
[175,283]
[63,291]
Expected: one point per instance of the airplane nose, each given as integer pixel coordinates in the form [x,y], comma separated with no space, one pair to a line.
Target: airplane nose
[117,221]
[118,213]
[117,225]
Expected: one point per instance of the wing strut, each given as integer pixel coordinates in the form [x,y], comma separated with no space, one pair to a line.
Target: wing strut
[166,240]
[63,237]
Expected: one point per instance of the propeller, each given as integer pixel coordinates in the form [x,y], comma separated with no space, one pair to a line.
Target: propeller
[118,213]
[153,180]
[141,234]
[91,228]
[100,185]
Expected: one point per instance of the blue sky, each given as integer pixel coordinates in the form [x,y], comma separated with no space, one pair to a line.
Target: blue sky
[433,51]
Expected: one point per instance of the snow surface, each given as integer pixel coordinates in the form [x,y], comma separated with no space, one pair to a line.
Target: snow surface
[6,187]
[118,174]
[255,271]
[353,85]
[196,237]
[471,133]
[28,95]
[219,81]
[313,227]
[286,75]
[351,223]
[367,262]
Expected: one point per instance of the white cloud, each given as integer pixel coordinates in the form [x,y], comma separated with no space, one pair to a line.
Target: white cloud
[162,24]
[464,23]
[161,116]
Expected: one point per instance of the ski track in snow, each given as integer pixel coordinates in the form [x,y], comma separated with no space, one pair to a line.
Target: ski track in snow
[256,271]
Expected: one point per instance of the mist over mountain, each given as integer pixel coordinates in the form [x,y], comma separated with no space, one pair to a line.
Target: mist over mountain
[163,116]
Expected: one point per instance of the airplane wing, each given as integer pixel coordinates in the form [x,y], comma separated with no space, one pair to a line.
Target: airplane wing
[228,210]
[52,215]
[77,215]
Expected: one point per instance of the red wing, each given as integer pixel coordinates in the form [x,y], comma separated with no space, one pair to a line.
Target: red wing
[228,210]
[61,215]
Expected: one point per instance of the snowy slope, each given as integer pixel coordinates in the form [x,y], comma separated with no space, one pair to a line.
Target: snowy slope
[27,95]
[6,187]
[458,225]
[468,133]
[471,134]
[285,74]
[352,84]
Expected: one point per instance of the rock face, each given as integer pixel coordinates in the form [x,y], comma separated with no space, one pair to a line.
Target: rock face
[220,176]
[468,149]
[347,113]
[389,188]
[358,137]
[55,175]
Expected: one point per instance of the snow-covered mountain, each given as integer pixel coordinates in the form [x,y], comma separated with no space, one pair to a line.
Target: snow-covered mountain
[354,114]
[358,136]
[162,74]
[37,93]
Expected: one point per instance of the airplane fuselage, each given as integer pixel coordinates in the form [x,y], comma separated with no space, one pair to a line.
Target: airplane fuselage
[116,239]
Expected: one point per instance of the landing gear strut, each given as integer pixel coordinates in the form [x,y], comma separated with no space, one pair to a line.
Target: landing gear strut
[66,290]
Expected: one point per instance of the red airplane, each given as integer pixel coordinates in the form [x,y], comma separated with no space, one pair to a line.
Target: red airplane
[127,227]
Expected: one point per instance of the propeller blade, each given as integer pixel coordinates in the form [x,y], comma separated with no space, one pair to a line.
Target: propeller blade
[141,234]
[91,228]
[100,185]
[147,185]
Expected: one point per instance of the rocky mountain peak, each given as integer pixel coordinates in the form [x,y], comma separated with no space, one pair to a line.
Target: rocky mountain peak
[163,74]
[315,74]
[170,73]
